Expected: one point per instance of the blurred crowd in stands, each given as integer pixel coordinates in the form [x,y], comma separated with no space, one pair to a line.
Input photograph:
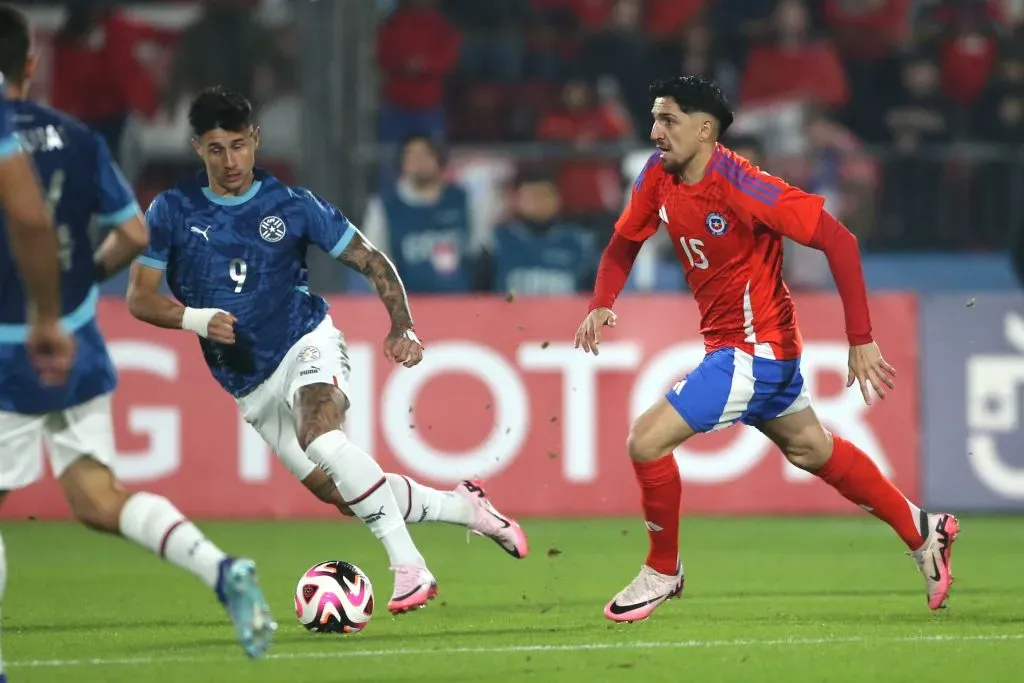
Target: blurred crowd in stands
[907,115]
[510,129]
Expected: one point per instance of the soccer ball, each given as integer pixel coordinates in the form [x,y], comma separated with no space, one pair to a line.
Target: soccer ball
[334,597]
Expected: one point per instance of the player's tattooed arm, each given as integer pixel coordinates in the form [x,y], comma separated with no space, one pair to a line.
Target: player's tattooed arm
[401,345]
[376,267]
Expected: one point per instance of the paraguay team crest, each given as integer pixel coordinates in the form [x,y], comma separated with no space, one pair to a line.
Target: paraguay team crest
[272,229]
[716,223]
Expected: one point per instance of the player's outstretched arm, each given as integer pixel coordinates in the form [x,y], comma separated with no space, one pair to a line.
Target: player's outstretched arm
[612,274]
[146,303]
[401,345]
[32,236]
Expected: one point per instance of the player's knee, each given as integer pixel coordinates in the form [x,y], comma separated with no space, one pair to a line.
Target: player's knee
[94,496]
[809,453]
[641,445]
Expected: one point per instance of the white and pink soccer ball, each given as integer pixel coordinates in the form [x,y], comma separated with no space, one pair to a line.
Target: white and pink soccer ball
[334,597]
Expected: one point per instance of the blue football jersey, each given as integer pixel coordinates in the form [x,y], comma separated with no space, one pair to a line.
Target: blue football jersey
[245,255]
[82,184]
[555,261]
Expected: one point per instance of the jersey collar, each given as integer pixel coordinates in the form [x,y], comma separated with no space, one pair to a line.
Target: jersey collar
[259,175]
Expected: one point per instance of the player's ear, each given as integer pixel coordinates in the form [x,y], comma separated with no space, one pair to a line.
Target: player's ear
[707,130]
[256,136]
[196,146]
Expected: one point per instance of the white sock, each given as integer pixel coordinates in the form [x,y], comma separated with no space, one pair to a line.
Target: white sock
[360,480]
[153,522]
[3,586]
[421,503]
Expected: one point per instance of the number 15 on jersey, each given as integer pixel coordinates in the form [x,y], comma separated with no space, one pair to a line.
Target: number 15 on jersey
[694,253]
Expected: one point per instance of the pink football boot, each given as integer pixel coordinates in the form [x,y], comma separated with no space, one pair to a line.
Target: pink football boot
[935,558]
[645,594]
[491,523]
[414,587]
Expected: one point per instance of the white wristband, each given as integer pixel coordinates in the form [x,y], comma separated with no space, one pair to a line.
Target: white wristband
[198,319]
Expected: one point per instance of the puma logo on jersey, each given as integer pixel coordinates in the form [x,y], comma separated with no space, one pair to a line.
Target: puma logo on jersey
[663,214]
[201,232]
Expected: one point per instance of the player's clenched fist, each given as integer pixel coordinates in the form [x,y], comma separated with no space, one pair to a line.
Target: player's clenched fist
[867,367]
[51,352]
[589,334]
[222,328]
[403,346]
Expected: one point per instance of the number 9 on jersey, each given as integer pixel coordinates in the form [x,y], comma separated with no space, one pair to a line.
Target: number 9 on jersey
[237,271]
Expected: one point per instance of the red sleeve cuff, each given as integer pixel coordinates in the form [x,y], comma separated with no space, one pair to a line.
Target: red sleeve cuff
[613,271]
[843,254]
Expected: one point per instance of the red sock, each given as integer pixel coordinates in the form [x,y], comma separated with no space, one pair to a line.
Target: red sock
[851,472]
[661,491]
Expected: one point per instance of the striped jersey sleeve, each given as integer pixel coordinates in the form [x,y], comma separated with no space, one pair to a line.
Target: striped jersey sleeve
[770,201]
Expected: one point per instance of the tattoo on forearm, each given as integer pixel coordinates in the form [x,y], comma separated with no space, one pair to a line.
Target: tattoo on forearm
[378,269]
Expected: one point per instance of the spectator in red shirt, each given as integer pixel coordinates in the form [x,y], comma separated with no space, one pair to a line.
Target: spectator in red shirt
[969,44]
[868,29]
[417,49]
[583,121]
[667,18]
[96,76]
[795,66]
[589,186]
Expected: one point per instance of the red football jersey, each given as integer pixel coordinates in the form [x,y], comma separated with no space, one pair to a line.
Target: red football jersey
[727,231]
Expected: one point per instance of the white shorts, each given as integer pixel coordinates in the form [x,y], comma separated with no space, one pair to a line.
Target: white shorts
[320,357]
[84,430]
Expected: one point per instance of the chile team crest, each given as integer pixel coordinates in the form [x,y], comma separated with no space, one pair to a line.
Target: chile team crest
[716,223]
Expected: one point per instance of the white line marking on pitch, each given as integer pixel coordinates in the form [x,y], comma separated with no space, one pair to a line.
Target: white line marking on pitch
[567,647]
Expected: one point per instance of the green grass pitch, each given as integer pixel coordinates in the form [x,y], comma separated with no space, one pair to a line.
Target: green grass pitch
[828,599]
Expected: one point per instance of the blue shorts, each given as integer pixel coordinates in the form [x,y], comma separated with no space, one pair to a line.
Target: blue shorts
[732,386]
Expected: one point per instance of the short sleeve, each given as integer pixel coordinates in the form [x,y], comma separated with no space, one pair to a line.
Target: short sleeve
[639,220]
[158,218]
[328,228]
[117,202]
[9,144]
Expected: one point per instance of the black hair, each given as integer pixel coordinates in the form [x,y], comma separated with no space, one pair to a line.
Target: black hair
[695,93]
[15,42]
[436,147]
[219,107]
[530,174]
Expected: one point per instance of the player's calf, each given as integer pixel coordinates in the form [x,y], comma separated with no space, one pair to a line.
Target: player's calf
[319,413]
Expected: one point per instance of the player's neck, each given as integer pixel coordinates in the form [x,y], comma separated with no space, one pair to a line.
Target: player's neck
[695,171]
[242,189]
[15,92]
